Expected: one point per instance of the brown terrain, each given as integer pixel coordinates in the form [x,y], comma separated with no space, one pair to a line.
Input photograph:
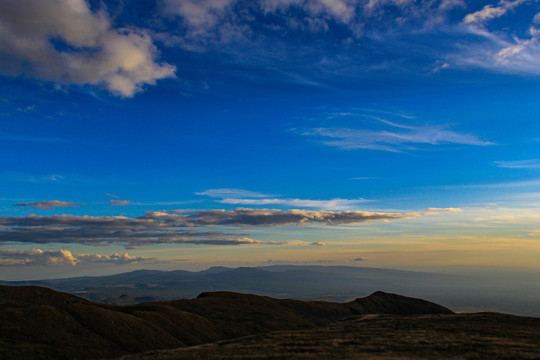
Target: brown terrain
[39,323]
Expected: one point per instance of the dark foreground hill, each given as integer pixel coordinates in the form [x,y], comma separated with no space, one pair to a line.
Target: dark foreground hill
[377,337]
[40,323]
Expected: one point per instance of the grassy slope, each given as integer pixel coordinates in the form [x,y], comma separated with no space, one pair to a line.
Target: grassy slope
[41,323]
[448,336]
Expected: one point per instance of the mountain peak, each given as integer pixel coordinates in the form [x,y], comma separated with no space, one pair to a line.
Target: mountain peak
[387,303]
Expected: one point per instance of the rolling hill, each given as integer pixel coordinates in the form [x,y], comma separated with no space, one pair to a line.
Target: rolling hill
[41,323]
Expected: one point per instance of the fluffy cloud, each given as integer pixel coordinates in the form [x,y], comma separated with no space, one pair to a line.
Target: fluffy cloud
[63,257]
[177,226]
[49,204]
[65,42]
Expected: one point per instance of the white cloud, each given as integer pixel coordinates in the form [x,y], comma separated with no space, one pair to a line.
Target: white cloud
[245,197]
[499,49]
[65,42]
[198,13]
[395,141]
[333,204]
[32,257]
[444,209]
[490,12]
[232,193]
[519,164]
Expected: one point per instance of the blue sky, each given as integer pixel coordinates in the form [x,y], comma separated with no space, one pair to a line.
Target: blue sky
[186,134]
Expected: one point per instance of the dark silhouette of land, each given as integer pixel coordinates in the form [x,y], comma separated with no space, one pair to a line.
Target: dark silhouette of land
[471,336]
[40,323]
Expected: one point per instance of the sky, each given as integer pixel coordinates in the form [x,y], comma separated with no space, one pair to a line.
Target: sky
[184,134]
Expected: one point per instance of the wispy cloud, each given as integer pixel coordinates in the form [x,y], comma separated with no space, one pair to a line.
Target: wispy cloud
[500,49]
[34,257]
[519,164]
[245,197]
[333,204]
[120,202]
[444,209]
[501,185]
[490,12]
[50,204]
[394,141]
[232,193]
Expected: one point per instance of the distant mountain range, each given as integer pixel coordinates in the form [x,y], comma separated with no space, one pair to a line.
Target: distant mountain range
[334,283]
[331,283]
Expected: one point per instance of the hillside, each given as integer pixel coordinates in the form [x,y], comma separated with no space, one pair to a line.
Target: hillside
[40,323]
[375,337]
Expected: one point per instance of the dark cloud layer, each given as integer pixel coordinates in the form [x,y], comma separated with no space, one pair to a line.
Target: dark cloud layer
[177,226]
[49,204]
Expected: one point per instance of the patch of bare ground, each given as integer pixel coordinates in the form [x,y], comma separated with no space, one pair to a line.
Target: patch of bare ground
[458,336]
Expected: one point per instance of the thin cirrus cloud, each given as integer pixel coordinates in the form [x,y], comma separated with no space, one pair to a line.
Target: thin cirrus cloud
[502,49]
[393,27]
[36,257]
[88,50]
[410,138]
[519,164]
[232,193]
[246,197]
[444,209]
[120,202]
[171,227]
[333,204]
[50,204]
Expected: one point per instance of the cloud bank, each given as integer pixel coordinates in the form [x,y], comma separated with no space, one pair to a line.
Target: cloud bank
[171,227]
[32,257]
[65,42]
